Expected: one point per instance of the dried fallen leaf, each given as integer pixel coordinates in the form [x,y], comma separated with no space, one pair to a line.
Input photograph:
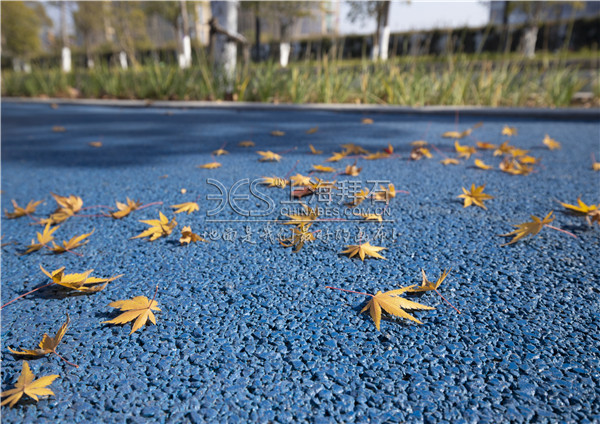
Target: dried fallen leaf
[419,143]
[509,131]
[67,207]
[47,345]
[485,146]
[551,143]
[19,211]
[385,194]
[475,196]
[139,309]
[514,167]
[220,152]
[246,143]
[528,228]
[300,235]
[187,236]
[309,214]
[322,168]
[427,285]
[367,121]
[314,151]
[80,281]
[370,216]
[503,149]
[277,133]
[464,151]
[457,134]
[450,161]
[358,198]
[300,180]
[188,207]
[269,156]
[210,165]
[353,149]
[352,170]
[591,212]
[125,209]
[481,165]
[58,128]
[375,156]
[312,130]
[274,182]
[392,303]
[363,250]
[73,243]
[95,144]
[28,386]
[158,227]
[43,239]
[418,153]
[336,157]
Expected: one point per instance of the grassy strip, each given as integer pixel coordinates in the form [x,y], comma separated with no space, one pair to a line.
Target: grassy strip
[416,83]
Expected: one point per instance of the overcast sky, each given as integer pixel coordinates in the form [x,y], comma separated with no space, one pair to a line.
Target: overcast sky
[419,14]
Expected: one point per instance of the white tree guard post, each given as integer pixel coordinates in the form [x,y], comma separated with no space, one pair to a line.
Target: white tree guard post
[66,59]
[185,58]
[284,54]
[225,50]
[123,60]
[385,43]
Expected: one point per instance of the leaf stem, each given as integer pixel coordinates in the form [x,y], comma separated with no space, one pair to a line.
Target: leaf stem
[148,205]
[291,170]
[287,151]
[23,295]
[561,230]
[70,363]
[96,206]
[350,291]
[436,290]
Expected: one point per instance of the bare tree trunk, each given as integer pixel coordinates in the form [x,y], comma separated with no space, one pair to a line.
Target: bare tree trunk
[224,48]
[284,45]
[375,50]
[529,41]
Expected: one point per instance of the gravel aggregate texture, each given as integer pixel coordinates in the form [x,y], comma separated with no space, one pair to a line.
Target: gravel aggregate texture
[247,331]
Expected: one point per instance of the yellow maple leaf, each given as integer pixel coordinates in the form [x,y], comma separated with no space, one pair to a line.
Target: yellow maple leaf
[450,161]
[353,149]
[73,243]
[309,215]
[464,151]
[392,303]
[385,194]
[509,131]
[300,180]
[427,285]
[363,250]
[19,211]
[58,128]
[528,228]
[125,209]
[515,152]
[95,144]
[79,281]
[44,238]
[312,130]
[551,143]
[367,121]
[269,156]
[246,143]
[475,196]
[370,216]
[314,151]
[187,236]
[418,153]
[419,143]
[274,182]
[28,386]
[47,345]
[375,156]
[527,160]
[352,170]
[358,198]
[139,309]
[591,212]
[300,235]
[158,227]
[503,149]
[336,157]
[277,133]
[67,207]
[596,166]
[188,207]
[220,152]
[514,167]
[485,146]
[322,168]
[210,165]
[481,165]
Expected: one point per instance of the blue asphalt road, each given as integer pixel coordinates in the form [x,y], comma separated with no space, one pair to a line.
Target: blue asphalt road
[248,331]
